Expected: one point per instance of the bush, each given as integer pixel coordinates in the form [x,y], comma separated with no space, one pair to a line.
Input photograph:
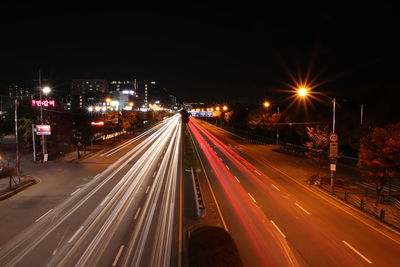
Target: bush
[212,247]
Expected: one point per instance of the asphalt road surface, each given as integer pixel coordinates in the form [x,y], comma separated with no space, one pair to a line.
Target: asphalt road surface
[277,220]
[127,215]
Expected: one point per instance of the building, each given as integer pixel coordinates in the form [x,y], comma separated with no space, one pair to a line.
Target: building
[86,92]
[117,86]
[20,91]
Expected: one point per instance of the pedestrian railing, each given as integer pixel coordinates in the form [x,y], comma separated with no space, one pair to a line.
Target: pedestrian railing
[359,200]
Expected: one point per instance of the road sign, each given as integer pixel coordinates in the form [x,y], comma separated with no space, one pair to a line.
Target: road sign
[333,149]
[43,130]
[333,137]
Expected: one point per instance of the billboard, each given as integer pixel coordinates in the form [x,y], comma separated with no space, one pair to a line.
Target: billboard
[43,130]
[201,113]
[43,103]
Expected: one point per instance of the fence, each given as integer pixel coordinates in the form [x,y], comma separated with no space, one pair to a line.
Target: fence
[389,216]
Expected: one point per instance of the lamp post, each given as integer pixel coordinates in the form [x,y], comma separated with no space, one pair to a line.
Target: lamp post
[45,90]
[304,92]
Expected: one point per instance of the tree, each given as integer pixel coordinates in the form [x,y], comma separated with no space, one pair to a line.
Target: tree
[318,141]
[25,129]
[379,157]
[262,119]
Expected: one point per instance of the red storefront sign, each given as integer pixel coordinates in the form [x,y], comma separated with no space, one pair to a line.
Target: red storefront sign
[43,103]
[43,130]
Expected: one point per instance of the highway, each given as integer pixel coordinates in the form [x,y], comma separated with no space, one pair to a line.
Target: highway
[127,215]
[277,220]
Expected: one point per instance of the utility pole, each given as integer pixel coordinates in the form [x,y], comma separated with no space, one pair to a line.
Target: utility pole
[333,166]
[277,130]
[362,115]
[42,137]
[16,137]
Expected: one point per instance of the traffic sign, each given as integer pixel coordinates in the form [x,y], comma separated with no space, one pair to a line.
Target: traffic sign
[333,137]
[334,150]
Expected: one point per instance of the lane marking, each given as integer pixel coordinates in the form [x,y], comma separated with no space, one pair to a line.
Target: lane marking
[154,174]
[104,200]
[75,191]
[303,209]
[277,228]
[337,205]
[257,172]
[38,219]
[275,187]
[118,255]
[237,179]
[227,166]
[147,190]
[252,197]
[356,251]
[220,158]
[137,214]
[76,233]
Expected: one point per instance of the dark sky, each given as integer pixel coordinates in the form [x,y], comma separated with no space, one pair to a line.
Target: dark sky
[207,52]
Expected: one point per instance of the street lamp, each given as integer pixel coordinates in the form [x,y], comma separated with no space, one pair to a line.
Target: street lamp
[266,104]
[303,92]
[46,90]
[225,108]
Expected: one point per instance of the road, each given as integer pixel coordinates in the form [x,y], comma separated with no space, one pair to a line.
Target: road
[128,214]
[277,220]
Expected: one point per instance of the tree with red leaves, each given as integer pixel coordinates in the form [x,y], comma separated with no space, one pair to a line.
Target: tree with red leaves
[379,158]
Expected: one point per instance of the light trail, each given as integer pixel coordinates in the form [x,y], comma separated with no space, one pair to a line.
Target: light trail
[124,192]
[249,216]
[308,228]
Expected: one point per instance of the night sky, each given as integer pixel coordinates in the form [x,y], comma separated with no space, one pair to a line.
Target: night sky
[216,53]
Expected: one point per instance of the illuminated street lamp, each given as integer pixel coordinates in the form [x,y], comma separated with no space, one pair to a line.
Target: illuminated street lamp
[217,108]
[266,104]
[225,108]
[303,92]
[46,90]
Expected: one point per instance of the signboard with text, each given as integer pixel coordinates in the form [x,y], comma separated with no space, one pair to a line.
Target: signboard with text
[43,103]
[334,150]
[43,130]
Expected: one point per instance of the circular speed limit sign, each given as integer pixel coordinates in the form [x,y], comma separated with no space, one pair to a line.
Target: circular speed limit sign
[333,137]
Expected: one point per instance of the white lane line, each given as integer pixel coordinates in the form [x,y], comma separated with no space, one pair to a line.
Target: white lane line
[147,190]
[120,182]
[356,251]
[227,166]
[277,228]
[118,255]
[275,187]
[54,252]
[257,172]
[154,174]
[38,219]
[137,214]
[237,179]
[75,191]
[252,197]
[303,209]
[76,233]
[220,158]
[104,200]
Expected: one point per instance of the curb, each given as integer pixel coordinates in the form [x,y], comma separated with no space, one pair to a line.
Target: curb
[18,189]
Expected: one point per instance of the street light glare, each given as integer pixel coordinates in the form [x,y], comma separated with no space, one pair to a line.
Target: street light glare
[266,104]
[225,108]
[46,90]
[302,92]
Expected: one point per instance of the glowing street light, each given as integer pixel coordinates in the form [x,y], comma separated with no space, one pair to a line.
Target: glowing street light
[108,100]
[217,108]
[266,104]
[302,92]
[46,90]
[225,108]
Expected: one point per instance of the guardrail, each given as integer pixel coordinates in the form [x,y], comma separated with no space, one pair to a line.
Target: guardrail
[200,207]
